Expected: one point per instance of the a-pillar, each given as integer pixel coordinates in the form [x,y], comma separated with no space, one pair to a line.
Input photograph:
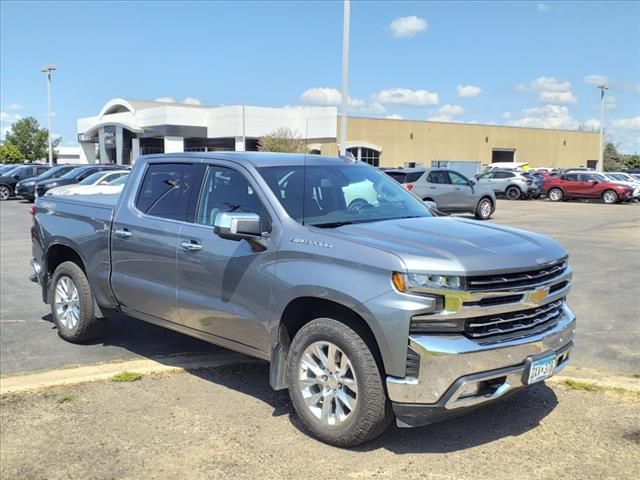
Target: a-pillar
[173,144]
[240,145]
[135,149]
[119,145]
[103,149]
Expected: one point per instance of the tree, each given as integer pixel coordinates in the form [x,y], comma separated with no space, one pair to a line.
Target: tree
[9,153]
[611,158]
[282,140]
[31,140]
[631,161]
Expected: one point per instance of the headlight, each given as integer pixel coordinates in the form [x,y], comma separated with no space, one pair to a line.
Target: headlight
[421,283]
[52,184]
[27,184]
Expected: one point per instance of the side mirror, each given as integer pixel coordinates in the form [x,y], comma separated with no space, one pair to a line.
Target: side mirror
[472,182]
[237,226]
[594,182]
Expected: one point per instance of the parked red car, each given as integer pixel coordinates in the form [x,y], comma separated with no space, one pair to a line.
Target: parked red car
[585,185]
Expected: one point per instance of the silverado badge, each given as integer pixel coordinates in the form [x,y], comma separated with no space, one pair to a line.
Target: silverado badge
[539,295]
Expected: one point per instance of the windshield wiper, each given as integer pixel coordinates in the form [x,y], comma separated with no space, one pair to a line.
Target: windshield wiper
[331,224]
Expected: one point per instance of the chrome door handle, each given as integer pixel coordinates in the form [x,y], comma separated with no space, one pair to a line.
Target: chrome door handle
[192,247]
[123,233]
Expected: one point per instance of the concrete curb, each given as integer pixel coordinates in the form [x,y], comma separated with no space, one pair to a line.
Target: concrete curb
[598,379]
[92,373]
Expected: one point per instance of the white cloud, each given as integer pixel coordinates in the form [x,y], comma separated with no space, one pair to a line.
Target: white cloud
[592,124]
[329,97]
[468,90]
[192,101]
[395,116]
[506,115]
[404,27]
[9,117]
[596,79]
[405,96]
[447,112]
[632,123]
[543,7]
[557,97]
[550,84]
[15,106]
[547,116]
[165,100]
[373,107]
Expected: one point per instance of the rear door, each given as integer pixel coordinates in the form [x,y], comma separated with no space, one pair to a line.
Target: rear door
[501,181]
[586,186]
[463,197]
[570,185]
[224,286]
[145,238]
[439,188]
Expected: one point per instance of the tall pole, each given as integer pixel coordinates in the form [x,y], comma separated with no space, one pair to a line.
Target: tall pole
[48,69]
[601,157]
[345,76]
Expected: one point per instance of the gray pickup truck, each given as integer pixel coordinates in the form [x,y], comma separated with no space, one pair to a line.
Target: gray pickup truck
[367,305]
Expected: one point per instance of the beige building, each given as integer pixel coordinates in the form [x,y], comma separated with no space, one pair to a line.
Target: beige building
[126,128]
[397,142]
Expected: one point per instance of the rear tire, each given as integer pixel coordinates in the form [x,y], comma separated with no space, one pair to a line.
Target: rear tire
[484,209]
[555,194]
[341,401]
[609,196]
[513,193]
[5,193]
[71,304]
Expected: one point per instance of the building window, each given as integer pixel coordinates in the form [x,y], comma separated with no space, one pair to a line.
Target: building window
[364,154]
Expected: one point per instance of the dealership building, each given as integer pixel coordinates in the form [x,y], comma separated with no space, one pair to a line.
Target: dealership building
[125,129]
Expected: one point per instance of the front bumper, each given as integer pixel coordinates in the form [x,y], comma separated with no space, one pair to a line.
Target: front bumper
[456,373]
[27,193]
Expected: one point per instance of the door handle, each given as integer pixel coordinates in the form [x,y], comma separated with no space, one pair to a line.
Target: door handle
[457,188]
[123,233]
[432,188]
[192,246]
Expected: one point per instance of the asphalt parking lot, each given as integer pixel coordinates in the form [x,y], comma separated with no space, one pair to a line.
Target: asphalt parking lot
[602,241]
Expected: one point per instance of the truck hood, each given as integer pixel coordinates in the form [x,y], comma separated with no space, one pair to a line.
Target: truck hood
[446,245]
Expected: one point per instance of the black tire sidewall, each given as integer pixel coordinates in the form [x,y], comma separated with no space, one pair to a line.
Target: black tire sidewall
[8,190]
[87,326]
[370,385]
[512,188]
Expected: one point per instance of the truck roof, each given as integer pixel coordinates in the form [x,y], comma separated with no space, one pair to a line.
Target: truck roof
[256,159]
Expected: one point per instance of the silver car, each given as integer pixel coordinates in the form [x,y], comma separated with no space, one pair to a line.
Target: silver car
[513,185]
[451,191]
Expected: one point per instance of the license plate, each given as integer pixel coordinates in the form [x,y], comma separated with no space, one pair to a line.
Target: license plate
[541,369]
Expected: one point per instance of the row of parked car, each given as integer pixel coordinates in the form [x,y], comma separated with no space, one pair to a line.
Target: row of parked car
[34,180]
[452,192]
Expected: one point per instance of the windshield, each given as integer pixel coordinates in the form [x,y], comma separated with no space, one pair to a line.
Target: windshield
[119,181]
[636,176]
[600,178]
[91,179]
[73,173]
[54,172]
[619,176]
[334,195]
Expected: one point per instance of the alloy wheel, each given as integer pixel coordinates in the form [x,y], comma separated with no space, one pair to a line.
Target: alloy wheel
[610,196]
[327,382]
[4,193]
[485,209]
[67,302]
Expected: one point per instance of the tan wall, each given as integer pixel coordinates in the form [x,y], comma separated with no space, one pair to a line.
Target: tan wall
[456,141]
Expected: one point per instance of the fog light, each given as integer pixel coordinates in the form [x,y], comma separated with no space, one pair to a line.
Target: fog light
[469,390]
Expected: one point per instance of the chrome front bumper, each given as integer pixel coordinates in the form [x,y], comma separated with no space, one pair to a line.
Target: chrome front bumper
[450,364]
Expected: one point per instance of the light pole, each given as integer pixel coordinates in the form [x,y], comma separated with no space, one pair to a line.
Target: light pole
[601,157]
[48,70]
[345,76]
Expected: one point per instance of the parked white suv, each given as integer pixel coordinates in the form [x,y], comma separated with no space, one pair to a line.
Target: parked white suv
[511,184]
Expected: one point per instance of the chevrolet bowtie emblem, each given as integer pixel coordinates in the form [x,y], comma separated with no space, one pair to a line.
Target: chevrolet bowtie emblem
[539,295]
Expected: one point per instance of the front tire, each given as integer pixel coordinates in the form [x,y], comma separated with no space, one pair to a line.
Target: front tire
[5,193]
[555,194]
[513,193]
[484,209]
[609,196]
[335,384]
[71,304]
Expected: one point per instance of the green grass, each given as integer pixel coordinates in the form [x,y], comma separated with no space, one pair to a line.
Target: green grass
[126,377]
[585,387]
[636,375]
[66,399]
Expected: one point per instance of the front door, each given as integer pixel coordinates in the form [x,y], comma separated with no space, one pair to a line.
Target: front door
[145,239]
[224,286]
[439,188]
[462,197]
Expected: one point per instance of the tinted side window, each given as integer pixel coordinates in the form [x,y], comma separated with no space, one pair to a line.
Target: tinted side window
[413,177]
[571,177]
[438,176]
[166,190]
[24,173]
[503,175]
[458,179]
[85,173]
[226,190]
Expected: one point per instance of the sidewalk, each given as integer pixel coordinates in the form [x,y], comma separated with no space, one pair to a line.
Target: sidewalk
[227,423]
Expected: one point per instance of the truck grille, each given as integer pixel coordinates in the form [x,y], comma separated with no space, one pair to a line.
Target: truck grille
[507,323]
[519,279]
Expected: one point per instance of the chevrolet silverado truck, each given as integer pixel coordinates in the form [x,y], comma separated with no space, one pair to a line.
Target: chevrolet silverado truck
[368,305]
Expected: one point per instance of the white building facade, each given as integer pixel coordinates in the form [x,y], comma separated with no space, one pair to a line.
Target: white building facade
[125,129]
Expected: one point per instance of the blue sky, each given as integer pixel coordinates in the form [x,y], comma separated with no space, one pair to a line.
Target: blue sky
[511,63]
